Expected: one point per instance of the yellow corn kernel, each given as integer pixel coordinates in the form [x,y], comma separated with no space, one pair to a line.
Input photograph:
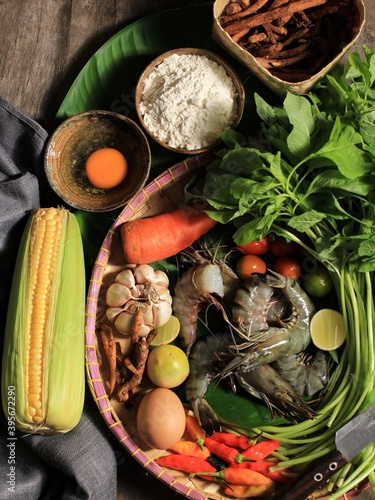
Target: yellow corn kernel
[43,355]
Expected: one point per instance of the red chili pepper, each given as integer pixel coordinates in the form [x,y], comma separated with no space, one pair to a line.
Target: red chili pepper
[237,441]
[184,463]
[264,468]
[240,476]
[195,431]
[191,449]
[255,452]
[261,450]
[221,450]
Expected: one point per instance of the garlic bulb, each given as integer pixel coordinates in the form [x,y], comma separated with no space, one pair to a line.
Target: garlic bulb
[140,288]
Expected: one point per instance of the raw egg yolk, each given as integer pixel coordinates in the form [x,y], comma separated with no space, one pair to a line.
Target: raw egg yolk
[106,168]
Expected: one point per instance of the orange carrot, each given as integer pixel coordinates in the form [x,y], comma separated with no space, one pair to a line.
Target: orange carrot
[191,449]
[154,238]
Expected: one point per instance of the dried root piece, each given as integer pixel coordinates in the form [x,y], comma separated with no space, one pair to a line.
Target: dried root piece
[136,367]
[137,325]
[233,8]
[133,365]
[250,9]
[271,15]
[110,351]
[291,38]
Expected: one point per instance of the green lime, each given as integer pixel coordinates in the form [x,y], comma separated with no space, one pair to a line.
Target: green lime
[327,329]
[319,283]
[167,333]
[167,366]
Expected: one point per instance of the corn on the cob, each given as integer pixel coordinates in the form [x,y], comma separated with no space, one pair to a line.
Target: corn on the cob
[43,356]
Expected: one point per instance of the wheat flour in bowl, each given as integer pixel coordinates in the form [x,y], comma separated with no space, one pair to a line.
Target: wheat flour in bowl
[187,101]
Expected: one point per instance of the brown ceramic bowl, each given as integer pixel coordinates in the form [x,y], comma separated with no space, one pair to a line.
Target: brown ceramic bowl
[75,139]
[157,134]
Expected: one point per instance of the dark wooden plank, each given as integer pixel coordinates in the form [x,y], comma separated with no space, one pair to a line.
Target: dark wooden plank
[44,45]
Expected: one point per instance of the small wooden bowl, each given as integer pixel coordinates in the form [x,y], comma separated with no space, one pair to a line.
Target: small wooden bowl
[75,139]
[239,98]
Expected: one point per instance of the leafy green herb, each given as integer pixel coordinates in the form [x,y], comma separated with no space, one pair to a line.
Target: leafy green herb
[309,177]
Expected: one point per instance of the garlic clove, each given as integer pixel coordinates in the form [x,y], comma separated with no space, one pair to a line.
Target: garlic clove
[161,313]
[123,322]
[161,279]
[144,273]
[112,313]
[126,277]
[117,295]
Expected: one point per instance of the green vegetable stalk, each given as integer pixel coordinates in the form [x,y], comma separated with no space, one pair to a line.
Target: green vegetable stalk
[310,178]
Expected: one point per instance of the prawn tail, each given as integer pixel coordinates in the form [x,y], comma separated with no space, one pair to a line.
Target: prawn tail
[186,343]
[206,416]
[265,383]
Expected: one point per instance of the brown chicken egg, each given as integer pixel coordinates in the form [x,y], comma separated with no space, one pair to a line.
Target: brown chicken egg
[161,418]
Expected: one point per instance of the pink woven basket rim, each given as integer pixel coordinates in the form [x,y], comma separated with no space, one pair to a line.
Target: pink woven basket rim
[96,383]
[95,380]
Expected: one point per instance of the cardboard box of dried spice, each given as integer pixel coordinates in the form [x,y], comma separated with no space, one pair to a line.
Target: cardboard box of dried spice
[288,44]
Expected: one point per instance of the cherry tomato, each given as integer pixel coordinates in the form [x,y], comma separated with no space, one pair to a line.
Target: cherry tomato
[250,264]
[282,248]
[256,247]
[318,283]
[287,267]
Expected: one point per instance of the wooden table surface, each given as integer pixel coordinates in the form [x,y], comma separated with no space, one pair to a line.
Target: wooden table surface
[43,46]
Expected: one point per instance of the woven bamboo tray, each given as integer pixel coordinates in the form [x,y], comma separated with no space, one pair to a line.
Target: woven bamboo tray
[161,195]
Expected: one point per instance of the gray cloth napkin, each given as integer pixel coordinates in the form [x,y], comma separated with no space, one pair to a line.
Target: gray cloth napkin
[82,463]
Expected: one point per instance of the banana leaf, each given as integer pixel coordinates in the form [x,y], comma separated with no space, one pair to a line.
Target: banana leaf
[108,82]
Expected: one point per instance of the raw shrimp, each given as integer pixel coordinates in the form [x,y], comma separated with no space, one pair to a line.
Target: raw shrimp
[198,285]
[257,305]
[204,364]
[208,355]
[308,373]
[266,383]
[276,342]
[231,281]
[251,305]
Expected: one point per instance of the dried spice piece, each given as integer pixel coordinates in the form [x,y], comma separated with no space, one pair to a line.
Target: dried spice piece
[136,367]
[110,350]
[292,39]
[126,371]
[270,15]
